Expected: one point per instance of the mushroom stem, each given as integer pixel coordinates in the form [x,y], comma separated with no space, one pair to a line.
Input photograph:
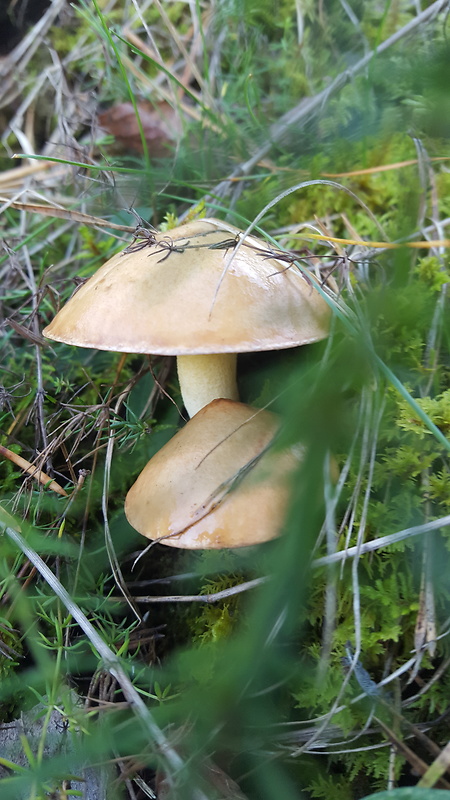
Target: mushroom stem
[204,378]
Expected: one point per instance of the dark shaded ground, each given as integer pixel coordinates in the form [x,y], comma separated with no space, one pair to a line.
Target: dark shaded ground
[16,16]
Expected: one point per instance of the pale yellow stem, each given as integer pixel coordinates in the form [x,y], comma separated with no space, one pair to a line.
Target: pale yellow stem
[205,378]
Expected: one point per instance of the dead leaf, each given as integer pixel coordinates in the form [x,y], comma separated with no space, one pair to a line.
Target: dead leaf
[160,124]
[27,333]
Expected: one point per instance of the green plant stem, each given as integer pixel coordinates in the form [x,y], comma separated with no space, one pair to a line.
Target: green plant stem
[124,75]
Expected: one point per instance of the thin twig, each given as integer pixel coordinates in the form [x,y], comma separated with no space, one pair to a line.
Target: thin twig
[65,213]
[33,470]
[383,541]
[203,598]
[333,558]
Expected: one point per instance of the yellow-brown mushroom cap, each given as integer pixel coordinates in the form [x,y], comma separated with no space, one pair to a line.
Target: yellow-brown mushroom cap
[215,484]
[172,297]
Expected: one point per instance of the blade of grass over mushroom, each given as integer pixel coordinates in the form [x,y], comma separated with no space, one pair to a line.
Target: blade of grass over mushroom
[426,244]
[305,185]
[296,187]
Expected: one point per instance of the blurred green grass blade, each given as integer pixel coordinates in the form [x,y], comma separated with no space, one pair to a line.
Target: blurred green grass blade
[170,75]
[124,75]
[394,381]
[81,165]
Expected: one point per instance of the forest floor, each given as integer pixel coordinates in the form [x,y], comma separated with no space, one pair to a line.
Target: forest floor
[312,664]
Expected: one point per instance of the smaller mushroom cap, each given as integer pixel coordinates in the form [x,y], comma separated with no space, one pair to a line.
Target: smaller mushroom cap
[215,484]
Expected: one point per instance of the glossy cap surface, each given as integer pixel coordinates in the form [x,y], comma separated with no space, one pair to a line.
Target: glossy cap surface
[185,293]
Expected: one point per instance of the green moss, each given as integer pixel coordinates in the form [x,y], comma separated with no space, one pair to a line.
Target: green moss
[437,408]
[216,622]
[433,272]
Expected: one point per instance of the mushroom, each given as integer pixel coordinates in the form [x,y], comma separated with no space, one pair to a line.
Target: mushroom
[216,483]
[184,293]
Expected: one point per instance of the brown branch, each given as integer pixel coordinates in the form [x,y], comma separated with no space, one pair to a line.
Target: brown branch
[64,213]
[32,470]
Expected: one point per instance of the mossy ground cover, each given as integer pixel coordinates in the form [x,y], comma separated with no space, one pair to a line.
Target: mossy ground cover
[327,674]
